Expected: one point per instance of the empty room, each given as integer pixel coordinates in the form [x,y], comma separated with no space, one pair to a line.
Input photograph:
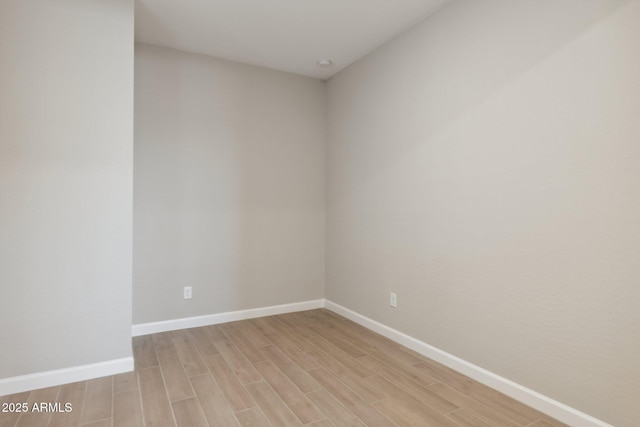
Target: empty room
[319,213]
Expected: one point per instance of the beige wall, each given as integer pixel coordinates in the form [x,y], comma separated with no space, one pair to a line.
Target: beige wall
[484,166]
[66,167]
[228,188]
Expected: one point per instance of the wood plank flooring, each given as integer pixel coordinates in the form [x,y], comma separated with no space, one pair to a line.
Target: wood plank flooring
[311,368]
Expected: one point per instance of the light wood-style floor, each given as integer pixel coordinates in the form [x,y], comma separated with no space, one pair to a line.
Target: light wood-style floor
[311,368]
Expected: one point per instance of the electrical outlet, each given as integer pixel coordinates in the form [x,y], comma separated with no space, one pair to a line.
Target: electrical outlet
[393,300]
[187,292]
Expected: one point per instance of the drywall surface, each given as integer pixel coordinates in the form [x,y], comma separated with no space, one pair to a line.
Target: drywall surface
[229,186]
[484,167]
[66,168]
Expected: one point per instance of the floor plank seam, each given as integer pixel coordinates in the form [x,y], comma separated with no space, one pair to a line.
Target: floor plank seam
[305,368]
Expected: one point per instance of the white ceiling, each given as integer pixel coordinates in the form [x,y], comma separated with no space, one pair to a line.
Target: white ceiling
[286,35]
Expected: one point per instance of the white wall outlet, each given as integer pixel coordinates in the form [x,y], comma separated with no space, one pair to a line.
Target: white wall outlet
[187,292]
[393,300]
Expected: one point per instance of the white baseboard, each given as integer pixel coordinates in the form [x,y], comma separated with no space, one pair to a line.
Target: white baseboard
[527,396]
[64,376]
[538,401]
[230,316]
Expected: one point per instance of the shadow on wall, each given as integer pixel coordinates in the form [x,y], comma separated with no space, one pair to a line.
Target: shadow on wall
[449,77]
